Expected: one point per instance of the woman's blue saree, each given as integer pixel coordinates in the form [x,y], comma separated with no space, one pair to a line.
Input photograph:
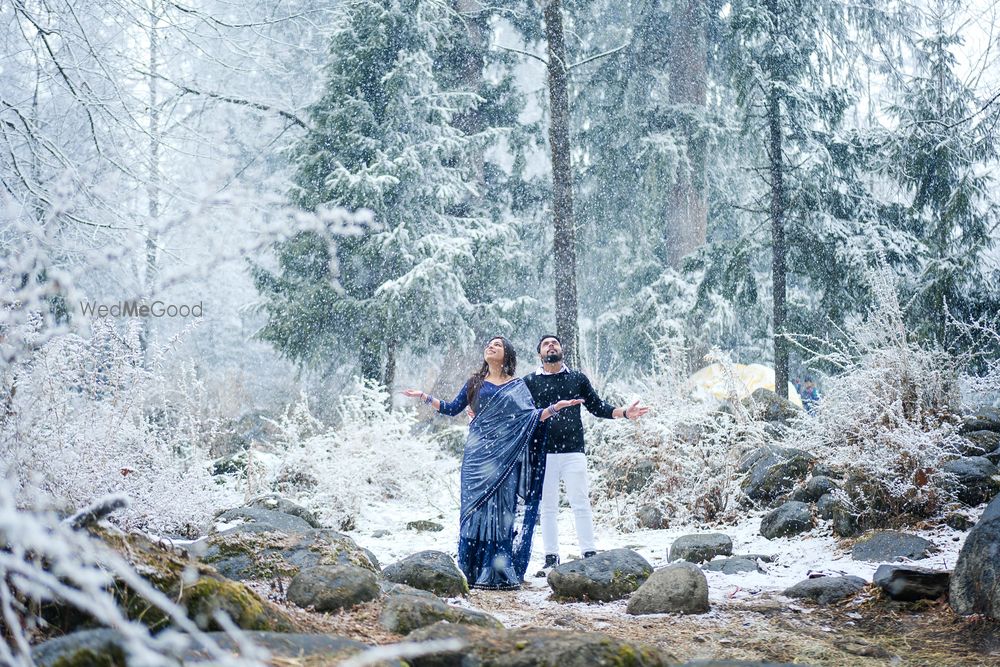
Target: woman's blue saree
[502,472]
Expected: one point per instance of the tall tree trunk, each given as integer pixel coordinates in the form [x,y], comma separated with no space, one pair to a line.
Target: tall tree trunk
[686,221]
[153,169]
[564,236]
[777,242]
[370,357]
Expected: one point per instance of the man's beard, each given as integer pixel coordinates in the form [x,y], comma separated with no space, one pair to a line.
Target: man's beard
[552,358]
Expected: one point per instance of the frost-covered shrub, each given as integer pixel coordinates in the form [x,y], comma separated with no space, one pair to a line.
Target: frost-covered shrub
[43,560]
[87,419]
[347,473]
[888,417]
[677,462]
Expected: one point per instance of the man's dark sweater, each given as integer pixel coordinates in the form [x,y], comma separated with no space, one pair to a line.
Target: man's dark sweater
[565,430]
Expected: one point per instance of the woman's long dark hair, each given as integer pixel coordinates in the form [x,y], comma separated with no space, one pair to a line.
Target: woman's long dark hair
[508,368]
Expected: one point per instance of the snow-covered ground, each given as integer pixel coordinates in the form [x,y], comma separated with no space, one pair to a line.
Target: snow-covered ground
[795,558]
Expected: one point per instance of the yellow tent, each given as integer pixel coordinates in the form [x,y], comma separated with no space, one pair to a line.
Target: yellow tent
[713,381]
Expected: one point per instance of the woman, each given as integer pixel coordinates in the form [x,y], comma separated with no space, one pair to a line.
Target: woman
[502,469]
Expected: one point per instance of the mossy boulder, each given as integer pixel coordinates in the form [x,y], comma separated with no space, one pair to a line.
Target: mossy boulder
[403,614]
[196,587]
[100,647]
[250,552]
[276,503]
[333,587]
[433,571]
[535,647]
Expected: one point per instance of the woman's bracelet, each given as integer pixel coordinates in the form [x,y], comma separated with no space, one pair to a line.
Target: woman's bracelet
[428,399]
[553,409]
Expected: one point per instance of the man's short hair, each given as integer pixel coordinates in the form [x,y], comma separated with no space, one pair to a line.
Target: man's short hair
[540,340]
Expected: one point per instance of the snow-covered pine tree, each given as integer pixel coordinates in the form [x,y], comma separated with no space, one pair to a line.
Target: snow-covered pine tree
[383,137]
[941,153]
[784,57]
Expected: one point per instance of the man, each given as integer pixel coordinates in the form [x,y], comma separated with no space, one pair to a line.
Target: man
[809,395]
[565,459]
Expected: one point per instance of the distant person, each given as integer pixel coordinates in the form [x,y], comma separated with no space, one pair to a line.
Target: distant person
[809,395]
[502,468]
[565,459]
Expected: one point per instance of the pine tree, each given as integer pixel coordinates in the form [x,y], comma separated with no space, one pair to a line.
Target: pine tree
[382,137]
[941,154]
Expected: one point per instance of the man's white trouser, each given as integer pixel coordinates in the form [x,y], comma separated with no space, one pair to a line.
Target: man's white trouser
[572,469]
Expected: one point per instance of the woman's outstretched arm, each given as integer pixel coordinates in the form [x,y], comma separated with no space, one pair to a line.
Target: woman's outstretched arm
[557,406]
[450,408]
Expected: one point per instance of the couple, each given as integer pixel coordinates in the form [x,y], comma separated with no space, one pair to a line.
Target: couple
[520,445]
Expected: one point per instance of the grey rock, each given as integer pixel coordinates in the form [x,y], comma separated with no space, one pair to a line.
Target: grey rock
[534,647]
[680,588]
[264,519]
[739,663]
[979,443]
[975,479]
[424,526]
[635,476]
[390,589]
[825,505]
[985,419]
[791,518]
[403,614]
[827,470]
[992,510]
[107,648]
[381,533]
[432,571]
[907,584]
[734,565]
[825,590]
[764,558]
[291,648]
[957,521]
[251,551]
[332,587]
[701,547]
[652,517]
[276,503]
[975,583]
[767,405]
[101,646]
[610,575]
[815,488]
[775,473]
[889,546]
[845,521]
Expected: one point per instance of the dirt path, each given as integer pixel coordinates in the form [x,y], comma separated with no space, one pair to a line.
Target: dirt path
[867,631]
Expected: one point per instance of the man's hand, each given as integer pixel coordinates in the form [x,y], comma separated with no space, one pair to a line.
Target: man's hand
[635,411]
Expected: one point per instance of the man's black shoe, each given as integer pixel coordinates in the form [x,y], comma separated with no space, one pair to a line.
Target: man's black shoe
[588,554]
[550,562]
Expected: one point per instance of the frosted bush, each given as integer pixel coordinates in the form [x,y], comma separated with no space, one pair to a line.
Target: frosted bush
[43,560]
[346,473]
[87,420]
[888,417]
[677,462]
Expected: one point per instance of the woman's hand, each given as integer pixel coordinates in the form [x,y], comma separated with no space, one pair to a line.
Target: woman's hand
[559,405]
[414,393]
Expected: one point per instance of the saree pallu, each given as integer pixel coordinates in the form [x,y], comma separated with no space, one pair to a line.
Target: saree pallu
[502,471]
